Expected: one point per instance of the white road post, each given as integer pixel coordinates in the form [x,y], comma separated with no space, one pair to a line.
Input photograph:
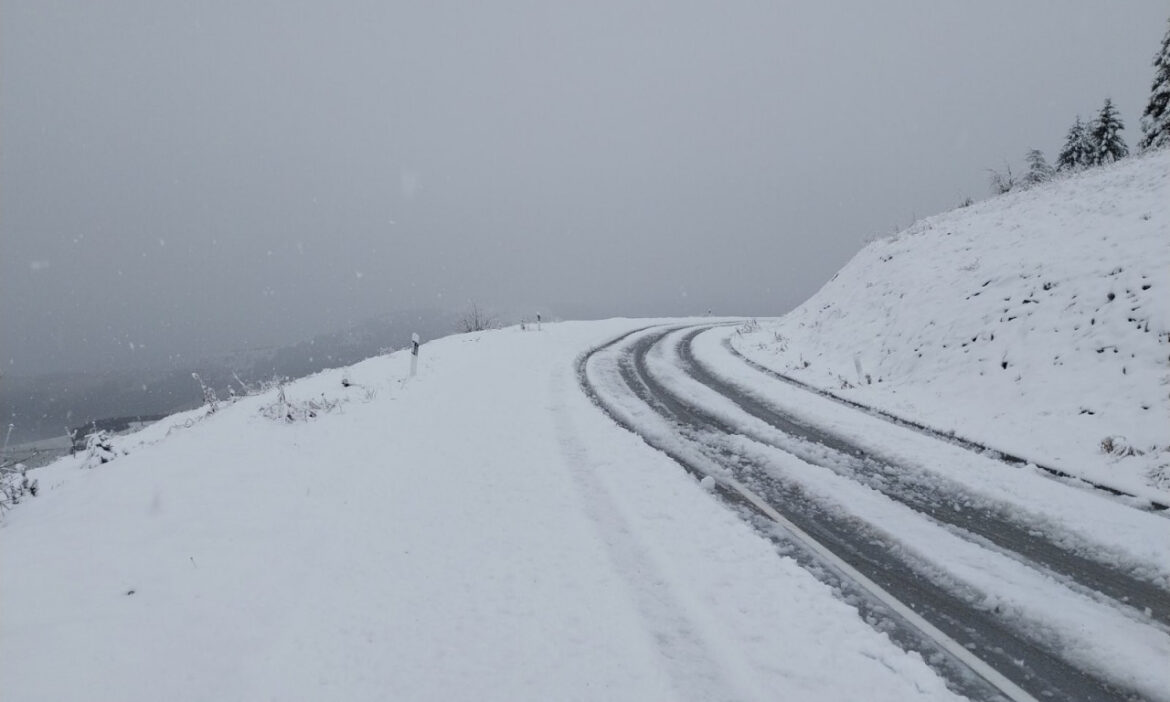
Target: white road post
[6,437]
[413,354]
[857,365]
[537,321]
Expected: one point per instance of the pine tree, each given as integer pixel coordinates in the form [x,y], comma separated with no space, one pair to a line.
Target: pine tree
[1075,153]
[1038,169]
[1105,138]
[1156,118]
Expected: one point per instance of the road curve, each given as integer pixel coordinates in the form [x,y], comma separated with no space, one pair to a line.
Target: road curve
[1022,668]
[999,524]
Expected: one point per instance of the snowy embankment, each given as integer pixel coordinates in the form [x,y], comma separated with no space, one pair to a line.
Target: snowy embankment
[479,532]
[1036,323]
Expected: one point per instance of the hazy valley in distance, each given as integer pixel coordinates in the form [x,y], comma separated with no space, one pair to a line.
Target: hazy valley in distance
[45,406]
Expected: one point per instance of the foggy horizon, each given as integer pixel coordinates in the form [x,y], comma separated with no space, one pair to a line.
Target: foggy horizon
[205,178]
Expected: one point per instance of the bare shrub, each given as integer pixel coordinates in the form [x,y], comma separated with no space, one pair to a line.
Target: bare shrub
[477,319]
[1002,182]
[209,397]
[1160,476]
[291,411]
[748,327]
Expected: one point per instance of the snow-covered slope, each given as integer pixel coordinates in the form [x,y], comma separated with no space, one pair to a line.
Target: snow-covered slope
[1037,323]
[479,532]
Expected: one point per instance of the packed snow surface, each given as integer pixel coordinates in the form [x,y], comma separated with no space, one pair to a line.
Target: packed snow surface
[1037,323]
[480,531]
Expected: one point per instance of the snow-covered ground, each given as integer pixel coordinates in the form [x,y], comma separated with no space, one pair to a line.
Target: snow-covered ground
[481,532]
[1037,323]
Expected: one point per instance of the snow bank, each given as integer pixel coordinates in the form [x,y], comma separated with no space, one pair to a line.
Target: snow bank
[1037,322]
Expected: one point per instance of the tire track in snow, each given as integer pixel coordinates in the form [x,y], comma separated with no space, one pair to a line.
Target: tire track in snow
[960,676]
[696,670]
[968,444]
[1027,665]
[999,526]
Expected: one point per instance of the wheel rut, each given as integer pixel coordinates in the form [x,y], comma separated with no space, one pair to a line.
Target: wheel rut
[1029,668]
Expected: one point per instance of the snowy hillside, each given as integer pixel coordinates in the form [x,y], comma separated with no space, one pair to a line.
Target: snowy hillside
[480,532]
[1037,323]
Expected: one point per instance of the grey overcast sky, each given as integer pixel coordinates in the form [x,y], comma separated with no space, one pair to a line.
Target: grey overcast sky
[212,175]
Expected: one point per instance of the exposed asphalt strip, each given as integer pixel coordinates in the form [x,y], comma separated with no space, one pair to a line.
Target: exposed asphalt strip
[1006,457]
[995,663]
[995,523]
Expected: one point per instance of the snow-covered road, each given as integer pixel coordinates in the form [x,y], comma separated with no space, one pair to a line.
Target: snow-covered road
[483,531]
[480,532]
[1062,590]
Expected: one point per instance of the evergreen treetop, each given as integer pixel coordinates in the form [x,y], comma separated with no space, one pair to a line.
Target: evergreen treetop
[1075,154]
[1105,136]
[1156,118]
[1038,168]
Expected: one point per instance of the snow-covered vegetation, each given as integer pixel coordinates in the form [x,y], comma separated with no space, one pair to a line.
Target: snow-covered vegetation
[1037,322]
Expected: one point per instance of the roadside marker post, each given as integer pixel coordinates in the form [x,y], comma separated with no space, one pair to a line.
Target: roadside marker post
[413,355]
[537,321]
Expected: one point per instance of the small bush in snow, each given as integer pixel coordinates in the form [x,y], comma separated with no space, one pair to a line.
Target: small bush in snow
[1002,182]
[1160,476]
[99,449]
[14,485]
[290,411]
[751,325]
[1118,446]
[368,394]
[476,319]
